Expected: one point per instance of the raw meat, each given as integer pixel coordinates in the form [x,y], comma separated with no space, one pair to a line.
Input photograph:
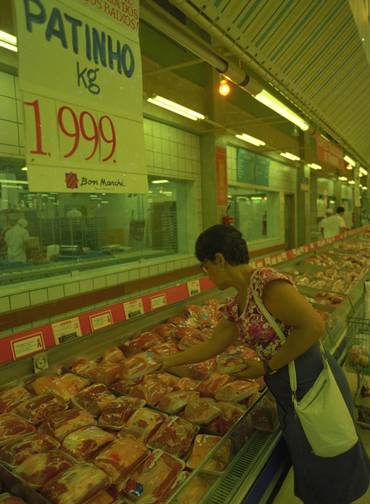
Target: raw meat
[174,402]
[144,341]
[203,444]
[63,423]
[86,442]
[151,388]
[41,407]
[94,398]
[123,386]
[76,484]
[201,411]
[102,497]
[166,331]
[11,397]
[155,476]
[213,384]
[169,379]
[121,457]
[116,414]
[203,369]
[65,386]
[168,348]
[139,365]
[237,390]
[194,491]
[177,320]
[105,372]
[231,412]
[16,452]
[187,384]
[38,469]
[174,436]
[82,366]
[13,427]
[188,336]
[229,363]
[143,423]
[113,355]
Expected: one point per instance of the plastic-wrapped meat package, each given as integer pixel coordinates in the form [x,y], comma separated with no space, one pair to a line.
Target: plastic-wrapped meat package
[76,485]
[11,397]
[206,333]
[102,497]
[123,386]
[154,478]
[143,423]
[7,498]
[175,436]
[166,331]
[142,342]
[210,386]
[13,427]
[194,491]
[39,468]
[38,408]
[65,386]
[121,457]
[203,444]
[116,414]
[105,372]
[82,366]
[229,363]
[231,412]
[63,423]
[16,452]
[203,370]
[169,379]
[138,366]
[177,320]
[113,355]
[168,348]
[176,401]
[237,390]
[201,411]
[151,389]
[85,443]
[94,398]
[187,384]
[188,337]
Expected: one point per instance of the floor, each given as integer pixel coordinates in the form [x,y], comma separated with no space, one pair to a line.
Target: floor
[286,494]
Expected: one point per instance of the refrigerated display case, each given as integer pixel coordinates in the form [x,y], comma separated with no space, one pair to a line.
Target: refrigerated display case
[257,454]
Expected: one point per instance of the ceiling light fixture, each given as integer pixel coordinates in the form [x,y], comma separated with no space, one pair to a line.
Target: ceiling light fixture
[176,108]
[281,109]
[164,181]
[250,139]
[315,166]
[363,171]
[224,87]
[349,160]
[8,41]
[290,156]
[343,179]
[351,182]
[12,181]
[24,168]
[349,167]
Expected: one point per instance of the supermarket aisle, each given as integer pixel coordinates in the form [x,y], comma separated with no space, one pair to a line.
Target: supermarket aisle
[286,495]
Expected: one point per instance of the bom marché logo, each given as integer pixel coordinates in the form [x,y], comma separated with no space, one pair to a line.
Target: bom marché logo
[71,180]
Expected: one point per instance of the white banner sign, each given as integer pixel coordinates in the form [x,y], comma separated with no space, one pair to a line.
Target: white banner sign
[80,73]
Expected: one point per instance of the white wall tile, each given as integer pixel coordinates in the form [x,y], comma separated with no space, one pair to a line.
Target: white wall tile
[4,304]
[112,279]
[18,301]
[71,289]
[39,296]
[86,285]
[99,283]
[133,275]
[55,292]
[123,276]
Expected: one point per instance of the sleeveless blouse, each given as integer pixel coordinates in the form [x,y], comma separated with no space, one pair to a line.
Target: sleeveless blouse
[254,330]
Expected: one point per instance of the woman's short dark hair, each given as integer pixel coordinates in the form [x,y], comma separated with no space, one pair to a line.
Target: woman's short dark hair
[340,209]
[226,240]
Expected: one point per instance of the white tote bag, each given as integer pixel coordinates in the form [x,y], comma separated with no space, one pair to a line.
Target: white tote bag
[322,411]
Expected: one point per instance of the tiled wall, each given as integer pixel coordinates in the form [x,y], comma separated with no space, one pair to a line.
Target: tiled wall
[11,116]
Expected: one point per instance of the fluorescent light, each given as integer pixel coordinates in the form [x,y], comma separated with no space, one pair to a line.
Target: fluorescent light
[290,156]
[7,37]
[164,181]
[256,198]
[4,181]
[10,47]
[349,160]
[364,188]
[176,108]
[4,186]
[363,171]
[315,166]
[344,179]
[349,167]
[250,139]
[279,107]
[24,168]
[351,182]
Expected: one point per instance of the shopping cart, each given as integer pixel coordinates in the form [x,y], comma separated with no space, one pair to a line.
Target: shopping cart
[358,361]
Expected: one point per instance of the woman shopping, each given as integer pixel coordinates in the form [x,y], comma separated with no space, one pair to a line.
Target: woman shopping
[269,315]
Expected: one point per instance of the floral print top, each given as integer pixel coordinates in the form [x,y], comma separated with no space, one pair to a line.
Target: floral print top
[254,329]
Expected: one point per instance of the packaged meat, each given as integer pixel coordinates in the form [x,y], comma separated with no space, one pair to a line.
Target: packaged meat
[201,411]
[229,363]
[154,478]
[39,468]
[11,397]
[121,457]
[105,372]
[187,384]
[123,386]
[165,349]
[139,365]
[143,423]
[151,388]
[113,355]
[169,379]
[38,408]
[13,427]
[166,331]
[116,414]
[174,436]
[15,452]
[76,485]
[188,336]
[86,442]
[202,370]
[230,414]
[102,497]
[63,423]
[94,398]
[82,366]
[176,401]
[194,491]
[142,342]
[237,390]
[65,386]
[203,444]
[7,498]
[213,384]
[177,320]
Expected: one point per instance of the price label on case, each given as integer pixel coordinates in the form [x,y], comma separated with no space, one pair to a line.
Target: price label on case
[27,345]
[101,320]
[158,301]
[66,330]
[193,287]
[133,308]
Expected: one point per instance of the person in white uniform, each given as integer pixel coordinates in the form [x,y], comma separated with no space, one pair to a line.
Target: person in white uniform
[333,225]
[16,238]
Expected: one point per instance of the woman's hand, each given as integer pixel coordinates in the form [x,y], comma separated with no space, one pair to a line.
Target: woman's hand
[254,369]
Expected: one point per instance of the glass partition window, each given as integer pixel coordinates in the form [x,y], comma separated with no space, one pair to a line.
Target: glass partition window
[255,213]
[89,230]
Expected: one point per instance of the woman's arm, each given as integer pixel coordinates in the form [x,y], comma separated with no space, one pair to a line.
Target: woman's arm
[223,336]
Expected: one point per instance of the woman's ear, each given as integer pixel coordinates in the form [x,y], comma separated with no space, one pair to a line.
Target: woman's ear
[219,259]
